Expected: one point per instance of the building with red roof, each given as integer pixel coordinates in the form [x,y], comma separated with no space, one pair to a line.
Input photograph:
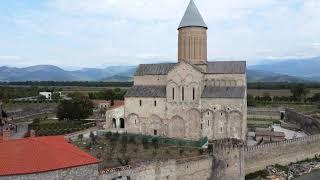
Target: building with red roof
[45,158]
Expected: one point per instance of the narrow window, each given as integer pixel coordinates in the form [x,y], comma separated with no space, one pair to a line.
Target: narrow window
[221,129]
[201,126]
[140,102]
[155,132]
[121,123]
[135,121]
[182,93]
[208,123]
[114,123]
[193,93]
[155,103]
[173,93]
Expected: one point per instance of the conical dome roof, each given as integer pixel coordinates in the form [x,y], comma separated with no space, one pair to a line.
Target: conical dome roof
[192,17]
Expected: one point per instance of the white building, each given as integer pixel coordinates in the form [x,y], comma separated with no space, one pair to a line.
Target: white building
[48,95]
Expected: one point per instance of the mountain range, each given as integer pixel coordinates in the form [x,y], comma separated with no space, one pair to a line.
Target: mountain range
[290,70]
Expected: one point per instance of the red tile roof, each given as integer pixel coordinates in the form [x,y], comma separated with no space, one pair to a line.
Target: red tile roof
[40,154]
[117,103]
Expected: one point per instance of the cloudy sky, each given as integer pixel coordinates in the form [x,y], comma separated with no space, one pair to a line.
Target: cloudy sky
[96,33]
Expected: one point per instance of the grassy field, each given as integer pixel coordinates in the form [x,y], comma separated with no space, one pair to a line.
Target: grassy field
[280,92]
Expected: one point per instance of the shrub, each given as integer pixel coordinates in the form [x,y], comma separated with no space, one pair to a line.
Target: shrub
[108,135]
[201,151]
[132,140]
[262,174]
[80,137]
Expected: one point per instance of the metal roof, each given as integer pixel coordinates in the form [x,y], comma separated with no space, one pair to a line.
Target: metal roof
[147,91]
[227,67]
[154,69]
[223,92]
[216,67]
[192,17]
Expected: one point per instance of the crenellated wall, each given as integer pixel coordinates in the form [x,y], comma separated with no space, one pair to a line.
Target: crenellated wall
[259,157]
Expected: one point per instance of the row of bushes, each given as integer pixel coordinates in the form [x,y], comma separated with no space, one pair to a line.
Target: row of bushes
[139,138]
[61,127]
[32,101]
[54,132]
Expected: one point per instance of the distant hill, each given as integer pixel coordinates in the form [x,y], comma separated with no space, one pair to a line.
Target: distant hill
[306,68]
[302,70]
[54,73]
[264,76]
[118,78]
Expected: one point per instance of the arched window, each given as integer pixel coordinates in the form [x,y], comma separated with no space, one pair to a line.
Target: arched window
[140,102]
[114,123]
[193,93]
[173,93]
[121,123]
[182,92]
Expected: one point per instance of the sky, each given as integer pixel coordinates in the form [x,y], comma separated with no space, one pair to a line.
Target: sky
[98,33]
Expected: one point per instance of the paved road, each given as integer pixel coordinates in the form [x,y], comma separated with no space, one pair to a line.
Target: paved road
[312,176]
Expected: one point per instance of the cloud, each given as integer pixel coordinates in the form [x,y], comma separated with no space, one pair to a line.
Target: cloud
[137,31]
[9,57]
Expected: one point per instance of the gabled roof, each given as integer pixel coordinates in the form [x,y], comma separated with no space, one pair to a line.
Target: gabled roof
[40,154]
[192,17]
[147,91]
[215,67]
[223,92]
[154,69]
[227,67]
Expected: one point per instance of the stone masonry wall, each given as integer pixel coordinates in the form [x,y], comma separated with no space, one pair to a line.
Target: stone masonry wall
[89,172]
[259,157]
[184,169]
[308,124]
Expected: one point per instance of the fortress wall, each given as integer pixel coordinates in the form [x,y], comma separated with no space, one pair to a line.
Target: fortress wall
[184,169]
[259,157]
[308,124]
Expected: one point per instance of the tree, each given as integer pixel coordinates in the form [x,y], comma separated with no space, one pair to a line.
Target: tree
[79,107]
[316,98]
[56,96]
[266,97]
[92,137]
[250,100]
[299,92]
[42,98]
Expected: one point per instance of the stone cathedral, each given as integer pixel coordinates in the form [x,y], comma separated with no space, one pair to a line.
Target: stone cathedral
[192,98]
